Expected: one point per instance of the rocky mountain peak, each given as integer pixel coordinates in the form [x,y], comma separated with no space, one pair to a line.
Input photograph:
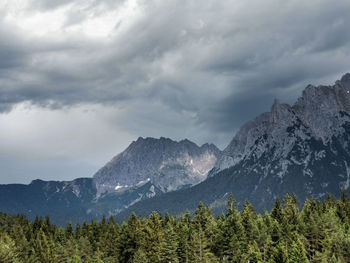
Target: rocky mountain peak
[168,164]
[280,112]
[303,149]
[321,108]
[320,113]
[345,81]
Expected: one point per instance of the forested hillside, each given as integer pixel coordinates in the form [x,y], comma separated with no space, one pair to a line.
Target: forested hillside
[320,232]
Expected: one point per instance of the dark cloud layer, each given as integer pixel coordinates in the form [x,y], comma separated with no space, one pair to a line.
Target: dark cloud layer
[207,66]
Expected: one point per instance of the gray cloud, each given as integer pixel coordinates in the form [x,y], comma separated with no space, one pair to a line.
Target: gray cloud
[44,5]
[176,68]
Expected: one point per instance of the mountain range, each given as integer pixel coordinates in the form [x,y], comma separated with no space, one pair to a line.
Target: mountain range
[148,167]
[302,148]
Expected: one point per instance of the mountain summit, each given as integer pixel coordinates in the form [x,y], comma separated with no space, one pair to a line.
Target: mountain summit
[148,167]
[289,135]
[302,149]
[167,164]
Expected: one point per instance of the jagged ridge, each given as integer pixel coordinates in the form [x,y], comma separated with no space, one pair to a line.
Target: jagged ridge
[302,149]
[168,164]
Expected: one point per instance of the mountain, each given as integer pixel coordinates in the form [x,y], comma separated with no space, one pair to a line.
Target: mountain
[168,164]
[302,149]
[63,201]
[148,167]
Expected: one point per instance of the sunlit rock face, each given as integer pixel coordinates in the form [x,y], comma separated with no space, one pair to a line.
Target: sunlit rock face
[167,164]
[147,168]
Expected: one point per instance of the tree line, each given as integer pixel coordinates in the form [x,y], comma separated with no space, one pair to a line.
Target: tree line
[319,232]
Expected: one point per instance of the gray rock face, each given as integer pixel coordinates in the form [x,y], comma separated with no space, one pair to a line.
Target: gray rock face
[287,136]
[167,164]
[147,168]
[302,149]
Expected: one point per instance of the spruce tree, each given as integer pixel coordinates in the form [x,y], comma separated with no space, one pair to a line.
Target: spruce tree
[232,231]
[139,257]
[279,254]
[297,253]
[154,237]
[254,253]
[249,216]
[169,245]
[8,250]
[184,238]
[277,212]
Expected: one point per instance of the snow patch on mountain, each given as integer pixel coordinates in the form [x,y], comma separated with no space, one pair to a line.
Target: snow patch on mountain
[76,190]
[118,187]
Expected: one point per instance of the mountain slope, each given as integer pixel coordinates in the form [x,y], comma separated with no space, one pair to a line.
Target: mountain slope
[147,168]
[63,201]
[302,149]
[168,164]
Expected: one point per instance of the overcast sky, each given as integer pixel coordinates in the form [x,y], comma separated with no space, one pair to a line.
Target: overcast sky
[79,80]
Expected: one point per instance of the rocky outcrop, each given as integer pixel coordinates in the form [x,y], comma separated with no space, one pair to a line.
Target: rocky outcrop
[168,164]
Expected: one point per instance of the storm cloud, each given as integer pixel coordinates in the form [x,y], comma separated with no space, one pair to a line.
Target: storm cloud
[195,69]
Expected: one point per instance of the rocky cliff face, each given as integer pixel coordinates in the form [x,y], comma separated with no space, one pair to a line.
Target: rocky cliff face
[167,164]
[314,130]
[147,168]
[302,149]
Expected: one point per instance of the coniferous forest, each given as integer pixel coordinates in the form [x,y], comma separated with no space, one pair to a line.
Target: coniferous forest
[319,232]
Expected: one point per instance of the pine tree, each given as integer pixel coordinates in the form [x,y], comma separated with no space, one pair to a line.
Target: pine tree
[277,212]
[170,245]
[140,257]
[290,214]
[184,237]
[78,231]
[232,233]
[254,253]
[69,230]
[8,250]
[21,242]
[76,258]
[297,253]
[311,227]
[109,243]
[279,254]
[249,216]
[200,250]
[204,218]
[154,237]
[44,247]
[343,207]
[275,231]
[85,248]
[60,254]
[130,239]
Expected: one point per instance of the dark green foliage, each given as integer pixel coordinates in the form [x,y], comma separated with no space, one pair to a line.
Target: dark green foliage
[297,253]
[320,232]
